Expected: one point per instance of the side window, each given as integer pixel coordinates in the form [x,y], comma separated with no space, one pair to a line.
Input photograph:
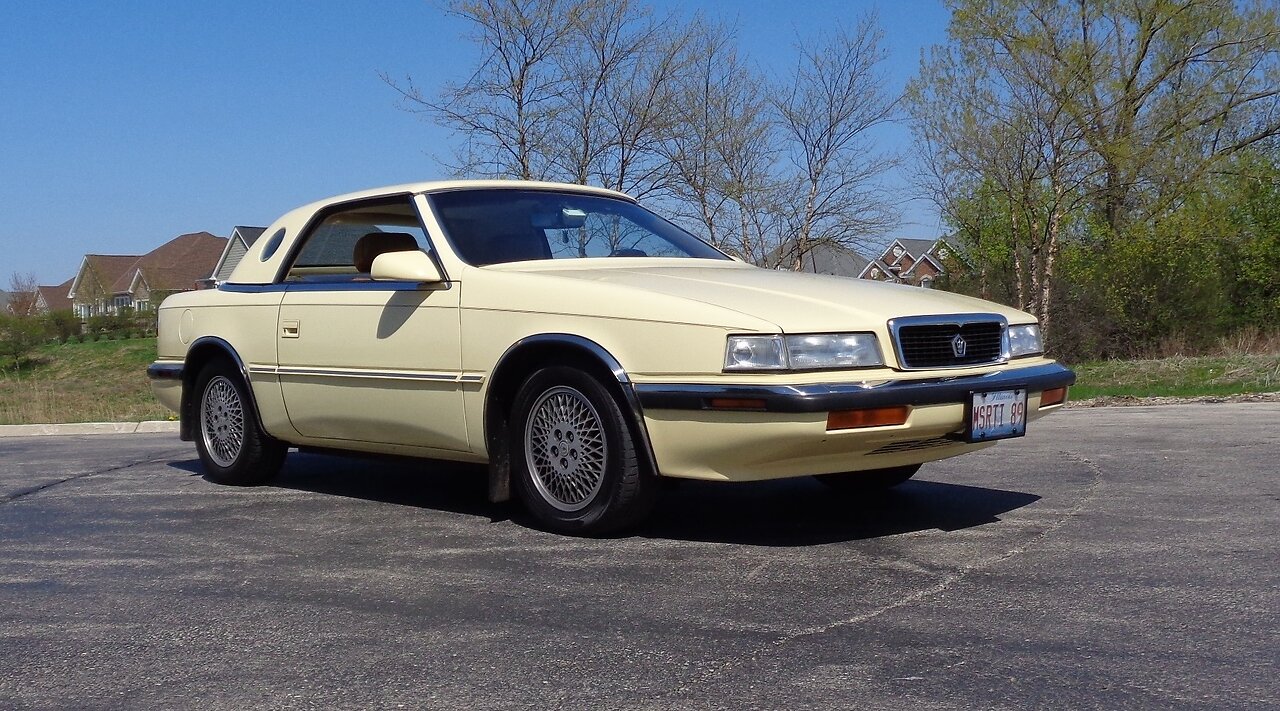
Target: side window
[341,246]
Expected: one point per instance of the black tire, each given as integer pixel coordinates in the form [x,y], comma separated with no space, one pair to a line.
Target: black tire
[232,446]
[870,480]
[574,458]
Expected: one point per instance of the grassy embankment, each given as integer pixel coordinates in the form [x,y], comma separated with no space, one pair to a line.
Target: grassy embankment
[95,381]
[105,381]
[1179,376]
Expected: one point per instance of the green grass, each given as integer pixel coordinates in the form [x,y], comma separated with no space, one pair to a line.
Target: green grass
[1179,376]
[95,381]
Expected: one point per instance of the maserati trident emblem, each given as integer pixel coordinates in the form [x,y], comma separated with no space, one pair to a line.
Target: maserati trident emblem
[958,346]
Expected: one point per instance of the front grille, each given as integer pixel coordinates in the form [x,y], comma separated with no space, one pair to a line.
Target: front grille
[933,345]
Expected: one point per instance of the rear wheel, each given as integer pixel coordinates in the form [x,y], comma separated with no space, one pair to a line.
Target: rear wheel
[871,480]
[232,446]
[577,470]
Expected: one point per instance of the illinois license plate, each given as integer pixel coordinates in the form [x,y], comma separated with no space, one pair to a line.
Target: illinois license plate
[996,415]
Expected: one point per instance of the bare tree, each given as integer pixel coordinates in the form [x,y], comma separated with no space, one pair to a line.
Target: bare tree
[508,108]
[620,69]
[599,91]
[835,99]
[720,146]
[23,294]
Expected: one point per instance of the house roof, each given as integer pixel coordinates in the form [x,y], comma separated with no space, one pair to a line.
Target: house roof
[248,234]
[823,258]
[107,268]
[917,247]
[885,271]
[926,257]
[57,298]
[175,265]
[836,260]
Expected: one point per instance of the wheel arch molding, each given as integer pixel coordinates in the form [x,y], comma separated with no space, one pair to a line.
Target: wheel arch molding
[525,357]
[201,352]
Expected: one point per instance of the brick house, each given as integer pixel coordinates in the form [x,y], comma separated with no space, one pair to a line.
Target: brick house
[906,261]
[909,261]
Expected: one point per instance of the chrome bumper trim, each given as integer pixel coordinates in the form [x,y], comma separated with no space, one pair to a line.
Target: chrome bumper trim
[825,397]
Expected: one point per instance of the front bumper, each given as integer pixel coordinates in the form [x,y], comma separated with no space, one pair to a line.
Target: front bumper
[823,397]
[166,383]
[788,436]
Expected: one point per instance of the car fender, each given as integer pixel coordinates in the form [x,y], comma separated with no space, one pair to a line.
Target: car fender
[503,383]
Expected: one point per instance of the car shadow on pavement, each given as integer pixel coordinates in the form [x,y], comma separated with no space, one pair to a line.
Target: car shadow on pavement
[801,512]
[787,512]
[421,483]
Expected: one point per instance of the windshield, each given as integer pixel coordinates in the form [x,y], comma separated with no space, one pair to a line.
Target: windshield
[496,226]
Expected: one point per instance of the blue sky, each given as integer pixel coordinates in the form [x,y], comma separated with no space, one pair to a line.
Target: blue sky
[124,124]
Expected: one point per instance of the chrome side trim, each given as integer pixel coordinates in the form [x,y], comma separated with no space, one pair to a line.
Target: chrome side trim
[298,286]
[896,324]
[354,373]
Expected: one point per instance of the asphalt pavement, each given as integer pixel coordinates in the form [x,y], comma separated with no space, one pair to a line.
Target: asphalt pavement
[1113,558]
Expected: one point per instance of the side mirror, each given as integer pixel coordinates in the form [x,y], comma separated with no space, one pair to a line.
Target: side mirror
[413,265]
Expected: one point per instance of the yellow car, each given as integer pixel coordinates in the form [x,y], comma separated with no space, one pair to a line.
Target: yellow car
[583,347]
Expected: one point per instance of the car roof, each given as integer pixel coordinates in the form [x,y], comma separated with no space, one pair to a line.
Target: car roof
[252,269]
[436,186]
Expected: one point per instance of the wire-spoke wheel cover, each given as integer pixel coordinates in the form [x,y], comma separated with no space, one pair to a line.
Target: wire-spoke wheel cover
[222,421]
[565,448]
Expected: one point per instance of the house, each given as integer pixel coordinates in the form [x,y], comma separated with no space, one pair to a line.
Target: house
[909,261]
[108,283]
[241,239]
[54,298]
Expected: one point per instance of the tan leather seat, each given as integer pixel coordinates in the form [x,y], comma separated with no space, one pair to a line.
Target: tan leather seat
[371,245]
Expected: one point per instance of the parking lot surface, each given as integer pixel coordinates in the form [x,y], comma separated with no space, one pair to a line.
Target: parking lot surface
[1122,557]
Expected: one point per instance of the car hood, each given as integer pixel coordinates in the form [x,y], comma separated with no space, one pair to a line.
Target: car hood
[796,302]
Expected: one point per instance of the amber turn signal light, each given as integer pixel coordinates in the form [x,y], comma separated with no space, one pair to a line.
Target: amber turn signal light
[872,417]
[1053,396]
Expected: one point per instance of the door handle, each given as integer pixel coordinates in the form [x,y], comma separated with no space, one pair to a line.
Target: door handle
[289,329]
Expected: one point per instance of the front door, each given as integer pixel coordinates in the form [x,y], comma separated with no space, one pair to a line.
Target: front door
[366,361]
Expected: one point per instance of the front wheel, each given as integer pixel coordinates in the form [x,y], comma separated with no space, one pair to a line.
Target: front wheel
[577,470]
[868,481]
[232,446]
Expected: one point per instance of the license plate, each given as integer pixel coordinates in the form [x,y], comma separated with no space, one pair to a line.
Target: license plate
[996,415]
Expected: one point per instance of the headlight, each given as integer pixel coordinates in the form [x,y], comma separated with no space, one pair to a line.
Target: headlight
[834,350]
[755,353]
[806,352]
[1024,340]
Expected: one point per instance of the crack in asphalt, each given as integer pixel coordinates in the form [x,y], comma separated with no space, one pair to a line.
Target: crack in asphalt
[24,493]
[958,575]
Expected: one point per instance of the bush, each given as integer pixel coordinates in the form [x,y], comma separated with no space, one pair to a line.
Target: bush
[19,336]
